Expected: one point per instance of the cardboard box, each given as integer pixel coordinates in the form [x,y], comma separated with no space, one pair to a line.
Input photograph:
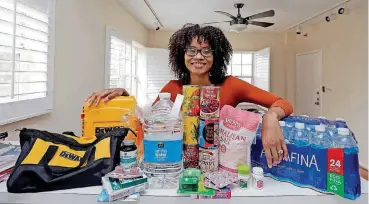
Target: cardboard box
[221,194]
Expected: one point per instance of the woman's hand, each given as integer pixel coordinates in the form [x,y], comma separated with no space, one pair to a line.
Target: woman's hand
[106,94]
[273,140]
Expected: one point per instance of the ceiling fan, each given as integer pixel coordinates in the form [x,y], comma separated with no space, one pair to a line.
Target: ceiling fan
[238,23]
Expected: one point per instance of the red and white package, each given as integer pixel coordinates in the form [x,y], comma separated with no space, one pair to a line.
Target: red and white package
[237,130]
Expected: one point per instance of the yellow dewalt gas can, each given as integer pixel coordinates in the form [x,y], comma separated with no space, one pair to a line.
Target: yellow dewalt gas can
[116,113]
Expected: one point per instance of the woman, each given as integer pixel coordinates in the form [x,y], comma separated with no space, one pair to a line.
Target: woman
[199,56]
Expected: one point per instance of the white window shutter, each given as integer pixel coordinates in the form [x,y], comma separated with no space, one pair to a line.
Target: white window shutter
[158,71]
[262,69]
[26,58]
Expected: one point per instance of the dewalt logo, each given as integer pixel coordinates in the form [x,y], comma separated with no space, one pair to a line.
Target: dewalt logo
[70,156]
[105,129]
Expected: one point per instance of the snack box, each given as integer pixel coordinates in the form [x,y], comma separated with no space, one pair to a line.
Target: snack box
[112,184]
[125,193]
[224,193]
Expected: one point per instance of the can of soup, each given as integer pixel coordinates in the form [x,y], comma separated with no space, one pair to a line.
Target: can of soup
[191,156]
[210,102]
[191,100]
[190,130]
[208,160]
[209,133]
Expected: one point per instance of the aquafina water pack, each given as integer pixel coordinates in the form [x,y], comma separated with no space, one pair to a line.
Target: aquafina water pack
[322,155]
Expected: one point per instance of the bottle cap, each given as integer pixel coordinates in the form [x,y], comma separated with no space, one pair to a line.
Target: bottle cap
[282,123]
[340,119]
[258,170]
[343,131]
[243,169]
[299,125]
[320,128]
[128,142]
[164,95]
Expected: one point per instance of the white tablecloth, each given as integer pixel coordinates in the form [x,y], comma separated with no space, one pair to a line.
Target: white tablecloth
[274,191]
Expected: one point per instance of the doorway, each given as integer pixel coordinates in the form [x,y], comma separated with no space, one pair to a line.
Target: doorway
[309,83]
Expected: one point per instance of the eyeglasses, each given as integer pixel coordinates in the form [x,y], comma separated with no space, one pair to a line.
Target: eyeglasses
[192,51]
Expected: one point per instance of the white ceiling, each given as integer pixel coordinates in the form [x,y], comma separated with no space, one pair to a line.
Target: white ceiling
[175,13]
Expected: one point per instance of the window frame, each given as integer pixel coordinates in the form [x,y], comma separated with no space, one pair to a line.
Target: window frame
[15,111]
[252,65]
[133,77]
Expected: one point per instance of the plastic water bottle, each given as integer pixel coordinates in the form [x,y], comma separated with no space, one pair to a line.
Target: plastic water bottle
[163,107]
[341,123]
[300,135]
[284,131]
[321,137]
[163,136]
[343,138]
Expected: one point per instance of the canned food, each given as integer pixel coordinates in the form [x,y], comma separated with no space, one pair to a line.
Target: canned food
[191,156]
[208,133]
[191,101]
[210,102]
[208,160]
[190,130]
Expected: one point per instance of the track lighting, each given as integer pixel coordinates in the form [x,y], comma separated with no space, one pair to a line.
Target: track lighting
[298,30]
[327,18]
[157,25]
[331,17]
[341,11]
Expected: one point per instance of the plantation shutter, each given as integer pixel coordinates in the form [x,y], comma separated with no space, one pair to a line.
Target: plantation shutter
[26,58]
[262,69]
[158,71]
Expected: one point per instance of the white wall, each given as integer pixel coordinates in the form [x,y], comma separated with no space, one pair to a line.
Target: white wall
[79,58]
[344,43]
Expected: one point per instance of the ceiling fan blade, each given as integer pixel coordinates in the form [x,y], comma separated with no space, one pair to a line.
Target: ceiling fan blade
[217,22]
[262,24]
[226,14]
[270,13]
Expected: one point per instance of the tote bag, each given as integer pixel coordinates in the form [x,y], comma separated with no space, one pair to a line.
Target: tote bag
[51,161]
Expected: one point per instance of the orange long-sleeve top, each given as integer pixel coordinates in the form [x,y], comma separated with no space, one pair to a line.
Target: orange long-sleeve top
[234,91]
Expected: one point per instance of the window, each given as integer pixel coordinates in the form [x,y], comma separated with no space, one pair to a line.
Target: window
[241,66]
[252,67]
[121,68]
[26,58]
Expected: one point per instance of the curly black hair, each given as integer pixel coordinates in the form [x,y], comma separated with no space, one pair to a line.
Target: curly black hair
[181,39]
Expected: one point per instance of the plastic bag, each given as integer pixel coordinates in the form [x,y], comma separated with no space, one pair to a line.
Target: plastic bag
[236,134]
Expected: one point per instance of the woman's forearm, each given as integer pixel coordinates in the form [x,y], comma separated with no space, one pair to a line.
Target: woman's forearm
[277,112]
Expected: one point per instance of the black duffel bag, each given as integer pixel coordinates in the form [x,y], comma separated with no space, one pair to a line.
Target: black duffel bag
[51,161]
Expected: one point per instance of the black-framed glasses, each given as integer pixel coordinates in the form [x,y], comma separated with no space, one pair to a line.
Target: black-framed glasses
[192,51]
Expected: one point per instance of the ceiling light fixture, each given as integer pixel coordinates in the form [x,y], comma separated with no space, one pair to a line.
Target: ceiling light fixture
[237,27]
[153,12]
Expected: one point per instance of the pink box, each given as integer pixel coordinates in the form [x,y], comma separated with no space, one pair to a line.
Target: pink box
[221,194]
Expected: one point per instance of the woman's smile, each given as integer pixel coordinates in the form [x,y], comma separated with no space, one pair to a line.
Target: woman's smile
[198,65]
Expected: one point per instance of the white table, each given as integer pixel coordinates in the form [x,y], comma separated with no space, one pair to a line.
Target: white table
[274,192]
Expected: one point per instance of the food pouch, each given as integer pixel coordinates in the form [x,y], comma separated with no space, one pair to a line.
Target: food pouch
[236,134]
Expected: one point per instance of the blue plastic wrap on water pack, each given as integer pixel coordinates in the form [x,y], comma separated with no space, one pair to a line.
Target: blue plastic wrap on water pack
[332,170]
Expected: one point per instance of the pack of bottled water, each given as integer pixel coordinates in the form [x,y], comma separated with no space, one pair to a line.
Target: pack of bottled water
[322,155]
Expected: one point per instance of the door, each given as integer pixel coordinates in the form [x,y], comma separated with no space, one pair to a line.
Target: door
[309,83]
